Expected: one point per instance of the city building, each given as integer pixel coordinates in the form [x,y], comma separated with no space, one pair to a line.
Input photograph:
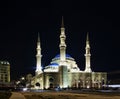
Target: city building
[4,72]
[63,71]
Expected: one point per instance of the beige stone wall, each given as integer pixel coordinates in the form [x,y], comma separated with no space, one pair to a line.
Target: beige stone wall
[74,80]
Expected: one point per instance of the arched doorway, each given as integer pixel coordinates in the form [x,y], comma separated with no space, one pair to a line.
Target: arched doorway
[51,85]
[88,82]
[80,83]
[96,83]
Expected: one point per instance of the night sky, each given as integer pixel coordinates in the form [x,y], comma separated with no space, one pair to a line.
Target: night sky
[20,22]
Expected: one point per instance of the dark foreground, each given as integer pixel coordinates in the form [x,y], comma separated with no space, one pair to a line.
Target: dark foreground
[67,94]
[5,94]
[71,95]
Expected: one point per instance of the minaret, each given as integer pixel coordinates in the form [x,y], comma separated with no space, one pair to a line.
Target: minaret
[38,57]
[63,71]
[87,55]
[62,45]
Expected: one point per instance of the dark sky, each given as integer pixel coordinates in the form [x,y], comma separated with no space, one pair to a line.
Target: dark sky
[20,22]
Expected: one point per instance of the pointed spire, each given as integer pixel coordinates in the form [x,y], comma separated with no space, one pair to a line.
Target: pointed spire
[38,37]
[38,42]
[62,24]
[87,39]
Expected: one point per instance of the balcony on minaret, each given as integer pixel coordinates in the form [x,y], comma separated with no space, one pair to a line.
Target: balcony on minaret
[62,46]
[62,36]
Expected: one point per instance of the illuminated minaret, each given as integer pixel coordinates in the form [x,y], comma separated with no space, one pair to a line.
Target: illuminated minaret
[63,71]
[87,55]
[62,45]
[38,57]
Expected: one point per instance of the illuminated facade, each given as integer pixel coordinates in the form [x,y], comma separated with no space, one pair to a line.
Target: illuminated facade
[63,72]
[4,72]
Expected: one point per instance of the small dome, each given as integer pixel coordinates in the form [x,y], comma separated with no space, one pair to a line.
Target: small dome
[67,56]
[54,64]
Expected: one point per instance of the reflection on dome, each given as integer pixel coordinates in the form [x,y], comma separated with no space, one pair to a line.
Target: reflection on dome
[67,56]
[57,57]
[54,64]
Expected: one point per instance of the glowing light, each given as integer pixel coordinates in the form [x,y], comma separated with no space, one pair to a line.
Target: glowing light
[23,78]
[25,89]
[113,86]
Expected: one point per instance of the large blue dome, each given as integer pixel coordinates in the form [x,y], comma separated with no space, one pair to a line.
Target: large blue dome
[67,56]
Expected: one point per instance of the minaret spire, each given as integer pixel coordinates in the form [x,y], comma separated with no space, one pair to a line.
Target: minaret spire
[62,44]
[38,57]
[87,54]
[87,37]
[62,25]
[38,37]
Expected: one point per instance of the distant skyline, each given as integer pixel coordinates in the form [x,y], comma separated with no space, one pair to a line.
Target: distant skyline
[21,22]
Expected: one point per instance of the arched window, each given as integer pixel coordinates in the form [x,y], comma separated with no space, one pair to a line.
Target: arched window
[51,80]
[37,84]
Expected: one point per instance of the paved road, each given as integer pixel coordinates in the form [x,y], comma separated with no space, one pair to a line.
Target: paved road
[17,95]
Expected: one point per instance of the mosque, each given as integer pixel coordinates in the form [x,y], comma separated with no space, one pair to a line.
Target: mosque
[63,72]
